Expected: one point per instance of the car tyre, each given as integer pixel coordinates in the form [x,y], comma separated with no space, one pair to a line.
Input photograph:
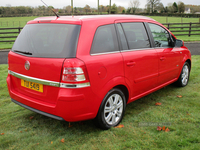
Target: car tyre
[184,76]
[111,110]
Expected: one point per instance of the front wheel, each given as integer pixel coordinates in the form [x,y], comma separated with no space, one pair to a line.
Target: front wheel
[184,76]
[111,110]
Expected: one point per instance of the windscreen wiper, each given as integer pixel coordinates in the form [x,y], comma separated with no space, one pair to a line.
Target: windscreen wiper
[26,53]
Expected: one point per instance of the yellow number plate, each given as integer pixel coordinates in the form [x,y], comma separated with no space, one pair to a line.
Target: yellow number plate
[32,85]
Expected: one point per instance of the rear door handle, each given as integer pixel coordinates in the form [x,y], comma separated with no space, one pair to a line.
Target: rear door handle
[131,63]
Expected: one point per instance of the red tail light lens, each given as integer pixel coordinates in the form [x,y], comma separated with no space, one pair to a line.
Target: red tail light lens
[74,71]
[73,74]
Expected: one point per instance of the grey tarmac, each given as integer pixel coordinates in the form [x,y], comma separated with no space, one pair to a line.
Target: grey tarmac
[194,48]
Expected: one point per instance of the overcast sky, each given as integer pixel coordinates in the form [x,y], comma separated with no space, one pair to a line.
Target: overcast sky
[82,3]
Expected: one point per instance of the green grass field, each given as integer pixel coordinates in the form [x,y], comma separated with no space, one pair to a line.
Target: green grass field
[23,129]
[10,22]
[192,38]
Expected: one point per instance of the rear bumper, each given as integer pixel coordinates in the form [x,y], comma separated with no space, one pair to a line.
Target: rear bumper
[38,111]
[70,105]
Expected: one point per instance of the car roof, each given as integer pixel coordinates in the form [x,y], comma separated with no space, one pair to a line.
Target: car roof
[80,19]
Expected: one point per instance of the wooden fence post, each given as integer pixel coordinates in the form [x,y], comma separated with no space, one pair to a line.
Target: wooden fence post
[190,28]
[19,29]
[182,21]
[168,26]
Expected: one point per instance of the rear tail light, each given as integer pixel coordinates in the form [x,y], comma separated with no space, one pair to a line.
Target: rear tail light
[74,74]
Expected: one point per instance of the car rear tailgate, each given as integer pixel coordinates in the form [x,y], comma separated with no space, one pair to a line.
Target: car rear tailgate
[46,71]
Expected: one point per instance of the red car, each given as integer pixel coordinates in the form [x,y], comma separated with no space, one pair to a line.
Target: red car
[89,67]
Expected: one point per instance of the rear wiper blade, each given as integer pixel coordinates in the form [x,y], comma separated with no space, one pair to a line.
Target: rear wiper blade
[27,53]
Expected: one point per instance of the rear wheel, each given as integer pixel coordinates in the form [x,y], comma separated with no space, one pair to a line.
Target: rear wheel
[111,110]
[184,76]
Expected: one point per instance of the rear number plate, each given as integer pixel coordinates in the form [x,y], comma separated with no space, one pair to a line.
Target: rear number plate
[32,85]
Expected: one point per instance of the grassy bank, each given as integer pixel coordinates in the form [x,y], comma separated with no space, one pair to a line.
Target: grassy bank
[23,129]
[10,22]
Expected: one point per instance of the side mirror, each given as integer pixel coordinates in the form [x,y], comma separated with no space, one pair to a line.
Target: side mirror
[171,41]
[179,43]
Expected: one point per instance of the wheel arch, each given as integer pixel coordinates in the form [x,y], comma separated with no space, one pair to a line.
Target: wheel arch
[189,62]
[186,58]
[124,89]
[100,119]
[117,82]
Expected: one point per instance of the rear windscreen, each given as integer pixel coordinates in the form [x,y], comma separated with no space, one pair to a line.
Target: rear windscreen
[48,40]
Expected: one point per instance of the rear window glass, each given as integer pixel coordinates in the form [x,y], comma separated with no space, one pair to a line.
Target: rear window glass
[48,40]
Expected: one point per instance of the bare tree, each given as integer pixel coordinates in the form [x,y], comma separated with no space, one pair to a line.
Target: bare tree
[120,9]
[170,7]
[67,9]
[160,8]
[103,8]
[181,7]
[87,8]
[152,4]
[134,5]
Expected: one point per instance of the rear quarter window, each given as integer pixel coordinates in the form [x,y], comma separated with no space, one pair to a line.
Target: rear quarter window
[105,40]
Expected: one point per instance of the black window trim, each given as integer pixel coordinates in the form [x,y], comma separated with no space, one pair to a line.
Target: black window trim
[119,38]
[149,34]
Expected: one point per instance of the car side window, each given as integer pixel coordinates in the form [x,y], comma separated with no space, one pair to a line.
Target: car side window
[160,35]
[136,35]
[105,40]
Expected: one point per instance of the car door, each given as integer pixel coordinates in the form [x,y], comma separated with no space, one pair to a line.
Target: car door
[169,56]
[140,60]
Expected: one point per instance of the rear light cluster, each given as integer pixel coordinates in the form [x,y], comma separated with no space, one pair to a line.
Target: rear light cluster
[75,74]
[74,71]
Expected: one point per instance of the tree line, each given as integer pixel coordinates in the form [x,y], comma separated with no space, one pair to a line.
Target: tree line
[152,6]
[42,10]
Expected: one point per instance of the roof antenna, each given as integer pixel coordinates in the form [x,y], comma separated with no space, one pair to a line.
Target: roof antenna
[52,10]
